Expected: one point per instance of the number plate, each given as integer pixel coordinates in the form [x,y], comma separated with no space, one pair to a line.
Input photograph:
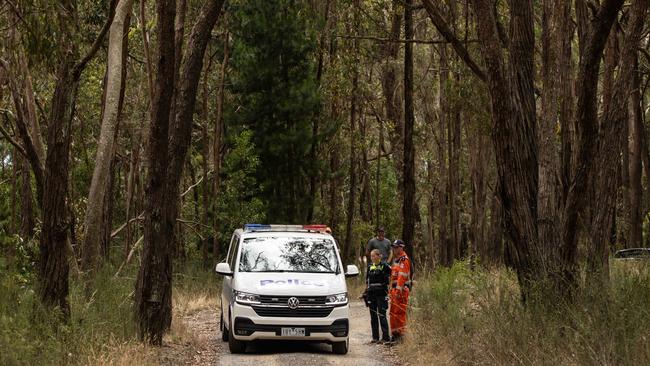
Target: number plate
[293,332]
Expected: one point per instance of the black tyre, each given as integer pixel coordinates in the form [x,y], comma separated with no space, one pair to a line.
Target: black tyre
[224,331]
[236,346]
[340,348]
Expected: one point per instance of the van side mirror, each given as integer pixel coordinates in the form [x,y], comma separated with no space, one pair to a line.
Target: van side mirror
[223,269]
[351,271]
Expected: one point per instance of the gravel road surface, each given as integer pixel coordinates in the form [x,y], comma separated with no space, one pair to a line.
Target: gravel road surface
[210,350]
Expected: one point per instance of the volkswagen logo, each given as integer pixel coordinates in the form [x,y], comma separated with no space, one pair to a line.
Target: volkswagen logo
[293,302]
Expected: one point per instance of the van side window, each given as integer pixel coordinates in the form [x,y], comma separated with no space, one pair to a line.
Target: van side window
[234,248]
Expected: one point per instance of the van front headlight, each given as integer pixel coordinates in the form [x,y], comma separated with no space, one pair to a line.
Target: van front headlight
[246,298]
[337,299]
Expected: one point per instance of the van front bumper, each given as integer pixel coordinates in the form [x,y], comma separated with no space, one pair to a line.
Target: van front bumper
[249,326]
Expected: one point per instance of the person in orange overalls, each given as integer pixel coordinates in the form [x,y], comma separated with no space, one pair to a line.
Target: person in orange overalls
[400,281]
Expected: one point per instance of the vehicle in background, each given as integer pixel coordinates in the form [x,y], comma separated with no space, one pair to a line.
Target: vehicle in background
[284,282]
[632,253]
[630,261]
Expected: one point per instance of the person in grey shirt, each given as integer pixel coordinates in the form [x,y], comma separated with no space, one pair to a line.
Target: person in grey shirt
[382,244]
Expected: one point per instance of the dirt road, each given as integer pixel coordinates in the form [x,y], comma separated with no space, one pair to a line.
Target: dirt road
[209,350]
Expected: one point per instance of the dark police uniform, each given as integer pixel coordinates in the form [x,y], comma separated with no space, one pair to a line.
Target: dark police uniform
[377,281]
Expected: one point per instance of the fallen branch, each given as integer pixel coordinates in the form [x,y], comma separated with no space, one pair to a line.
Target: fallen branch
[119,229]
[128,258]
[189,224]
[192,186]
[184,221]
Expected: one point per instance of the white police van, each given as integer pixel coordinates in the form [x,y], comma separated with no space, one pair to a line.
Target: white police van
[284,282]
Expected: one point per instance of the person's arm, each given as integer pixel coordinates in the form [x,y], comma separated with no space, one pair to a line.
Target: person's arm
[404,274]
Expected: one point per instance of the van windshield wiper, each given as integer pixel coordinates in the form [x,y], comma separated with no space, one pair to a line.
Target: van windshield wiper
[271,271]
[288,271]
[314,271]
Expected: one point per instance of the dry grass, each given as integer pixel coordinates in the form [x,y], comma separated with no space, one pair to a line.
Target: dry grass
[187,302]
[462,317]
[179,333]
[116,353]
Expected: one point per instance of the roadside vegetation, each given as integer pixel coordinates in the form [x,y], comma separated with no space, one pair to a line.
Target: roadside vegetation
[510,132]
[101,330]
[475,317]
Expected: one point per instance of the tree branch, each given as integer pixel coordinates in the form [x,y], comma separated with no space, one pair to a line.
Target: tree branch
[79,67]
[128,257]
[189,224]
[446,32]
[192,186]
[7,136]
[415,41]
[119,229]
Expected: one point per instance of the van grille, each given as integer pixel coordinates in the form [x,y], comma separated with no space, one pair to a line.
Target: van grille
[282,300]
[285,312]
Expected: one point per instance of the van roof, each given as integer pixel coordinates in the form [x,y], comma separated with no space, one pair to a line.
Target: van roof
[283,233]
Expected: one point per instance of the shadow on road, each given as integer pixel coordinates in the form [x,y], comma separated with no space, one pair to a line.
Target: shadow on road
[268,347]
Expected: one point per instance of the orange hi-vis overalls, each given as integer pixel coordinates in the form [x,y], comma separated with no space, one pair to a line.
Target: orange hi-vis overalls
[400,280]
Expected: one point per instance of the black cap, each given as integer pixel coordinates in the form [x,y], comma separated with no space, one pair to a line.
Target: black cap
[398,243]
[380,228]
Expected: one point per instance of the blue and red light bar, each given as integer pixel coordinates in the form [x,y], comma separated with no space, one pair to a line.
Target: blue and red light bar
[266,227]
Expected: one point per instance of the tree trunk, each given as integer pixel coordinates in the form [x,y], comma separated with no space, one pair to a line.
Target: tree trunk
[567,103]
[635,147]
[352,196]
[185,101]
[380,150]
[392,97]
[53,262]
[478,159]
[313,150]
[614,120]
[153,289]
[147,56]
[592,44]
[114,94]
[216,151]
[29,103]
[26,200]
[492,252]
[107,214]
[30,146]
[13,217]
[206,186]
[514,134]
[409,204]
[453,183]
[443,118]
[549,162]
[365,201]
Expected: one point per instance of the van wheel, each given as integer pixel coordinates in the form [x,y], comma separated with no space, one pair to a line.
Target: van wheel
[236,346]
[340,348]
[224,330]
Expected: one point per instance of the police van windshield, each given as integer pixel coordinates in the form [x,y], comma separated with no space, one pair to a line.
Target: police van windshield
[268,254]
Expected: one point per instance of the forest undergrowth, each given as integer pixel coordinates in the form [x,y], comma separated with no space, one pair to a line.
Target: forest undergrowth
[101,329]
[465,317]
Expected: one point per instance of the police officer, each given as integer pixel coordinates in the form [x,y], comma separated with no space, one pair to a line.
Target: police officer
[376,295]
[399,289]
